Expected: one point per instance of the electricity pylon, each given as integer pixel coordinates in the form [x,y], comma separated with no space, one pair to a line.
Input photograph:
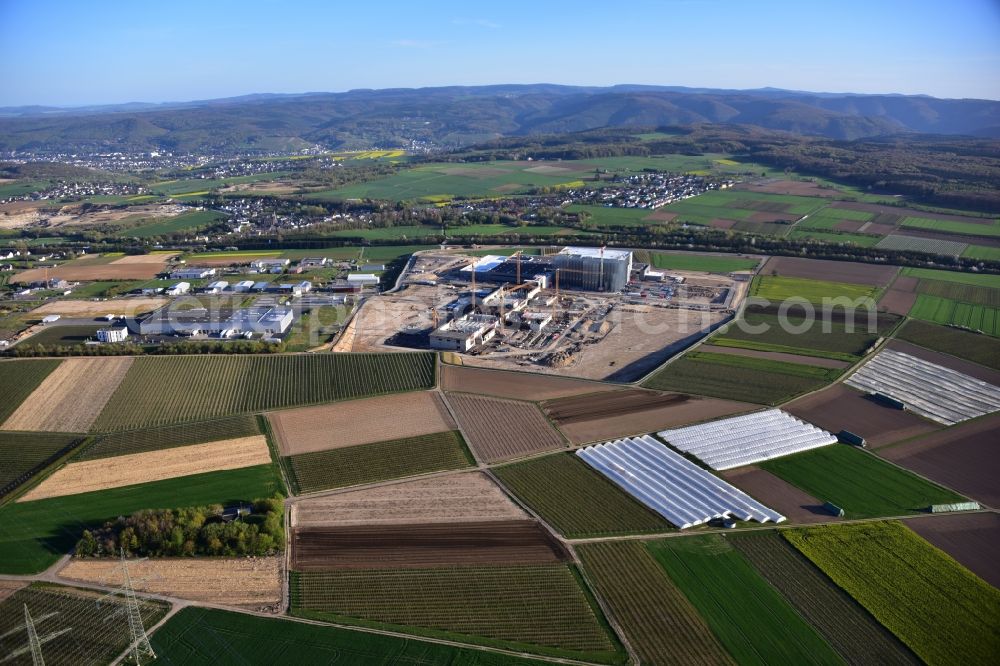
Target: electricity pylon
[139,645]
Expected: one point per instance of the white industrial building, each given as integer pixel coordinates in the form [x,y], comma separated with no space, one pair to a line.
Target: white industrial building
[217,287]
[269,265]
[179,288]
[264,320]
[465,333]
[192,273]
[593,268]
[116,334]
[362,279]
[243,286]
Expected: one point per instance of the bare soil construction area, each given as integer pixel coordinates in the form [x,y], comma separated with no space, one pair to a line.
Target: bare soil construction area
[419,546]
[251,582]
[794,504]
[119,269]
[71,397]
[963,457]
[502,429]
[519,385]
[381,318]
[834,271]
[118,306]
[465,497]
[355,422]
[776,356]
[973,539]
[840,407]
[127,470]
[74,216]
[604,416]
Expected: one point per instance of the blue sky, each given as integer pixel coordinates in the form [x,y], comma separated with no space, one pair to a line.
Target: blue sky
[92,51]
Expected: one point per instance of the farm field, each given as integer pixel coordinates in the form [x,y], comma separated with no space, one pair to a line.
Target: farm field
[983,228]
[463,231]
[835,271]
[186,222]
[656,618]
[956,291]
[779,288]
[974,279]
[762,208]
[973,539]
[89,640]
[709,263]
[861,240]
[976,348]
[982,252]
[849,629]
[70,398]
[940,609]
[252,582]
[969,368]
[66,336]
[818,361]
[605,216]
[378,461]
[342,425]
[33,535]
[194,635]
[501,429]
[920,244]
[22,452]
[423,546]
[129,306]
[750,618]
[454,498]
[962,457]
[136,468]
[602,416]
[731,377]
[86,270]
[538,608]
[949,311]
[858,482]
[796,505]
[21,378]
[575,499]
[159,390]
[840,407]
[519,385]
[127,442]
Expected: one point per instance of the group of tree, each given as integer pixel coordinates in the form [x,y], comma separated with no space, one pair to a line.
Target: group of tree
[186,532]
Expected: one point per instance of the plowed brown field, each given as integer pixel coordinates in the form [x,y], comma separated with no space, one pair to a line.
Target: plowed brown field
[453,498]
[71,397]
[127,470]
[252,582]
[355,422]
[116,306]
[500,429]
[794,504]
[120,269]
[973,539]
[419,546]
[519,385]
[604,416]
[835,271]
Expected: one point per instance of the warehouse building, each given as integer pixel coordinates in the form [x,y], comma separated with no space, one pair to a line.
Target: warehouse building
[465,333]
[116,334]
[593,268]
[179,288]
[192,273]
[265,320]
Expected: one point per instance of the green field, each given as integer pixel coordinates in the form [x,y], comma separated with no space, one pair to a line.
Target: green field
[982,252]
[21,452]
[162,226]
[94,633]
[953,226]
[20,378]
[940,609]
[207,637]
[861,240]
[863,485]
[741,205]
[575,499]
[538,608]
[701,262]
[754,623]
[381,461]
[161,390]
[656,618]
[187,186]
[761,381]
[35,534]
[966,293]
[976,348]
[977,279]
[948,311]
[153,439]
[64,335]
[607,216]
[849,629]
[778,288]
[426,230]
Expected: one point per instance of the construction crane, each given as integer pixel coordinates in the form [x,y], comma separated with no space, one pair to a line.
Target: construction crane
[472,267]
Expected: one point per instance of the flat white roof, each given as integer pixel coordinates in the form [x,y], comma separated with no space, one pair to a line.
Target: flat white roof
[596,252]
[362,277]
[486,264]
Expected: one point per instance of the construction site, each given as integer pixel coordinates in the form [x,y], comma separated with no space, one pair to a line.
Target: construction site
[587,312]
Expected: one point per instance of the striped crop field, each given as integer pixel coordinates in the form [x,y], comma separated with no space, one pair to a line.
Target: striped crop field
[22,453]
[162,390]
[940,609]
[127,442]
[20,378]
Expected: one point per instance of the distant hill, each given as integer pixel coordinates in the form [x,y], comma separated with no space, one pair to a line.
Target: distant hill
[458,116]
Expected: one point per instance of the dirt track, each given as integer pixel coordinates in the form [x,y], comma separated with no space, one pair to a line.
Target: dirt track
[71,397]
[254,582]
[355,422]
[835,271]
[500,429]
[972,539]
[842,408]
[797,506]
[963,457]
[447,499]
[419,546]
[519,385]
[131,469]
